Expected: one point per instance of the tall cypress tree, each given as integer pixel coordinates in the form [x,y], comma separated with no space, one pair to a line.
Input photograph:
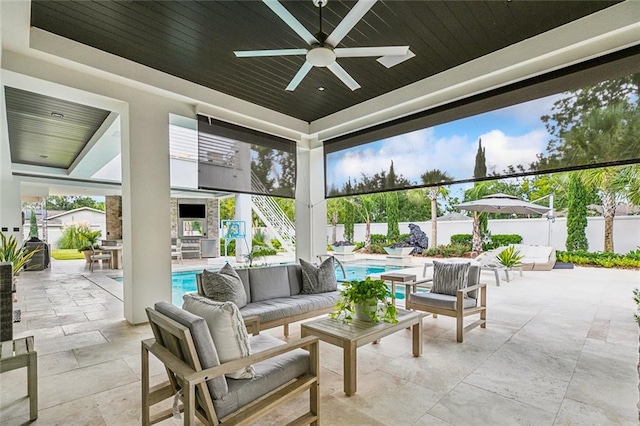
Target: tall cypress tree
[576,215]
[33,225]
[393,231]
[480,169]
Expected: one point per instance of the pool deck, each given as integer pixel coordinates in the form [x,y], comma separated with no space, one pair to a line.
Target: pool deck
[560,348]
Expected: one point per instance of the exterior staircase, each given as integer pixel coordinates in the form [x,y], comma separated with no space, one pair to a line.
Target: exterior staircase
[273,217]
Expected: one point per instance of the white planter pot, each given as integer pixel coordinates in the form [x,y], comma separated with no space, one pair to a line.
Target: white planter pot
[399,251]
[343,249]
[363,310]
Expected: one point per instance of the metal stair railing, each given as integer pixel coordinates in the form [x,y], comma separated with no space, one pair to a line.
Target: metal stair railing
[272,215]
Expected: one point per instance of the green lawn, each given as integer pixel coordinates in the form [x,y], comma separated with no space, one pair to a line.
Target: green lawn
[66,254]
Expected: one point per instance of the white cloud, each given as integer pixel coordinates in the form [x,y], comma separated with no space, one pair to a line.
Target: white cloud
[502,150]
[529,113]
[412,154]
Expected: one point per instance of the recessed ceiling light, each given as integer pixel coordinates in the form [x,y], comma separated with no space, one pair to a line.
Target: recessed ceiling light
[57,115]
[321,89]
[44,156]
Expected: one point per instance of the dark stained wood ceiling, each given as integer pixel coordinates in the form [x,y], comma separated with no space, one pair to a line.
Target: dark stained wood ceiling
[195,40]
[45,131]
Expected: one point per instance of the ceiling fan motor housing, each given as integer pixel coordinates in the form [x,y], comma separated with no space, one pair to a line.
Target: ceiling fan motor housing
[321,56]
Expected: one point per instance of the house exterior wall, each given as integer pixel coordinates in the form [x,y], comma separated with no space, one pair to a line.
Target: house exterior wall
[538,231]
[96,220]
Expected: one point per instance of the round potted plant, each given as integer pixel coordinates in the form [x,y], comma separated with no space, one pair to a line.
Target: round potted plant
[366,300]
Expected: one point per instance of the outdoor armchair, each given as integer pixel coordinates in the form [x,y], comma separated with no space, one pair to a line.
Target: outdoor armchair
[453,297]
[183,343]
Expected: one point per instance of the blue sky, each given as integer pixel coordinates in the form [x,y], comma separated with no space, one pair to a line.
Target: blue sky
[512,135]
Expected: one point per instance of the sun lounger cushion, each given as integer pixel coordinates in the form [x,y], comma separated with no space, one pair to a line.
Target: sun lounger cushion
[227,330]
[224,286]
[449,277]
[318,279]
[443,301]
[202,340]
[268,375]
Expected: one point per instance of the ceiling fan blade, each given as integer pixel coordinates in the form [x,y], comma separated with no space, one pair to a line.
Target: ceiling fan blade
[291,21]
[302,72]
[390,61]
[362,52]
[344,76]
[278,52]
[349,21]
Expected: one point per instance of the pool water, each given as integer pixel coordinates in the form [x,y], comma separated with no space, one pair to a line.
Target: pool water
[185,282]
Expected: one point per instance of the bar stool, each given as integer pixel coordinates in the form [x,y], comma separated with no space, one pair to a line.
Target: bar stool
[17,354]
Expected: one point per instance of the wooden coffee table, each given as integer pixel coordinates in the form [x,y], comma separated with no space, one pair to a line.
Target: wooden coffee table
[358,333]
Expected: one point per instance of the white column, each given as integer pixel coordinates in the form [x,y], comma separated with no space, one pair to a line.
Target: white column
[10,206]
[311,207]
[146,218]
[243,212]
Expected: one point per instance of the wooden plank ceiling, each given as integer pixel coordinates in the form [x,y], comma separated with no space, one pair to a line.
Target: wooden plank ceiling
[195,40]
[45,131]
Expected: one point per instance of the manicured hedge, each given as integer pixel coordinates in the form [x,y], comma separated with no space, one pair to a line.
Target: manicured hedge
[606,260]
[497,240]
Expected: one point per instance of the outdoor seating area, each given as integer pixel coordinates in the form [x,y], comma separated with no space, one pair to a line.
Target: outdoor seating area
[560,347]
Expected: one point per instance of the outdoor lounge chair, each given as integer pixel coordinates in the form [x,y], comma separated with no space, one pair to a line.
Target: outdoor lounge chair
[183,343]
[469,300]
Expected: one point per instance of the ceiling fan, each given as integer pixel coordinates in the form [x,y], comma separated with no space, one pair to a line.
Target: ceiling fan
[322,50]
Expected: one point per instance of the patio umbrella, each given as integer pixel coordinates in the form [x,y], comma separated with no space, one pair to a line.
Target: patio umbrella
[502,203]
[497,203]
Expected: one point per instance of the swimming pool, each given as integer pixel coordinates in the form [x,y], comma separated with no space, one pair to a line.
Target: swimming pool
[185,282]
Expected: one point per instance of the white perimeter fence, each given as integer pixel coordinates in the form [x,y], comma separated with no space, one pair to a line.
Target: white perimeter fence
[539,231]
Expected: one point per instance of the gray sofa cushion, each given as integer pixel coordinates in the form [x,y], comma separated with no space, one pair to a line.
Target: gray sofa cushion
[224,286]
[295,279]
[278,308]
[318,279]
[448,277]
[202,340]
[270,374]
[244,277]
[269,283]
[443,301]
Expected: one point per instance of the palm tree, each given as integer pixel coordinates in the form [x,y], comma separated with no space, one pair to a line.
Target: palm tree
[479,190]
[612,184]
[429,178]
[364,205]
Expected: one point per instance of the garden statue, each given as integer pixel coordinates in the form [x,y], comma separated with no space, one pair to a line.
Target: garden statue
[418,238]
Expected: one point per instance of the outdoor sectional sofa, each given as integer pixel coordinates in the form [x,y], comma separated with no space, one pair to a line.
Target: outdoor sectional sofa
[274,297]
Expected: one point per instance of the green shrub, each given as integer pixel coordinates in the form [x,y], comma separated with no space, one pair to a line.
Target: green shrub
[378,239]
[509,257]
[448,250]
[358,245]
[603,259]
[462,239]
[276,244]
[499,240]
[231,248]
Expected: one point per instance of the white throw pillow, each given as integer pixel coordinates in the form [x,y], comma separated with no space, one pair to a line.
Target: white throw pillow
[227,330]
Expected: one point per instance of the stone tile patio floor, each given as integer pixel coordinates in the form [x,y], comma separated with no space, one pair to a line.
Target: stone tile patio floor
[560,347]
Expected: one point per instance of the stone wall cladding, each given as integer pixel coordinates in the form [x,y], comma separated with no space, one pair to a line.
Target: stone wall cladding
[113,217]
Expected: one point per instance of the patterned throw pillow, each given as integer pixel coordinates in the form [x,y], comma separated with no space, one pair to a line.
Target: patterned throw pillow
[227,330]
[318,279]
[449,277]
[224,286]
